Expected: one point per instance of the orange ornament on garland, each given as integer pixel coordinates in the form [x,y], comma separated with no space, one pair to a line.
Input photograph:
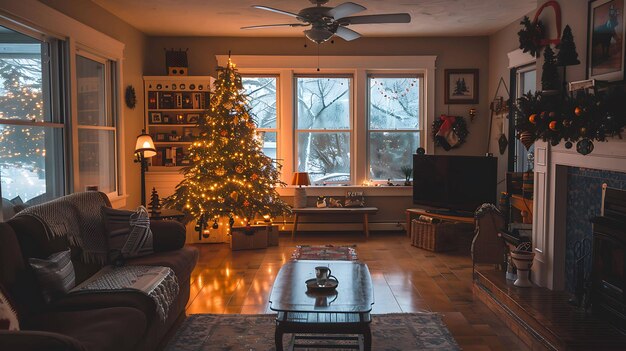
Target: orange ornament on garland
[552,125]
[578,111]
[533,118]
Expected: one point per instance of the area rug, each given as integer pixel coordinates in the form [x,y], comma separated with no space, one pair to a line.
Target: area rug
[325,252]
[390,332]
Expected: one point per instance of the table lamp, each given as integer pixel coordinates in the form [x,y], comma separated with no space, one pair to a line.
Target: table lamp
[300,179]
[144,149]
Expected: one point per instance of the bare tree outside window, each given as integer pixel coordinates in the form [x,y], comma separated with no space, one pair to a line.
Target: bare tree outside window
[323,126]
[394,130]
[262,96]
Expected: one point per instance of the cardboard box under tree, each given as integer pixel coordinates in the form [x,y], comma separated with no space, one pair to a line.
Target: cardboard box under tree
[250,237]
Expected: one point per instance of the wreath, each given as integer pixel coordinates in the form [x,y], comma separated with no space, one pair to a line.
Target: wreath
[530,36]
[449,131]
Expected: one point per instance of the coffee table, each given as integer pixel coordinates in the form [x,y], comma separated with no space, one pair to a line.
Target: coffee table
[344,311]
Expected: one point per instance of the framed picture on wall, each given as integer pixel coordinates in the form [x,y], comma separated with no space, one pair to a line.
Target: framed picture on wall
[155,117]
[605,40]
[461,86]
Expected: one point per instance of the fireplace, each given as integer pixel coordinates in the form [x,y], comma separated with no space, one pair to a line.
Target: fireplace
[608,279]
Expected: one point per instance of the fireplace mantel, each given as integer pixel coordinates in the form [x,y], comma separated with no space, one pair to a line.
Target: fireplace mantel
[550,198]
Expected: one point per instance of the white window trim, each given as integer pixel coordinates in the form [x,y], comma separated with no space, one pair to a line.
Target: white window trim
[358,67]
[47,21]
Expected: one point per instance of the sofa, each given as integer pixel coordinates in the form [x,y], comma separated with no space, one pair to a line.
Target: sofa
[94,320]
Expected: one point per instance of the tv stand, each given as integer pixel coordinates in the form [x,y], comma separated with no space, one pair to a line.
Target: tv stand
[451,213]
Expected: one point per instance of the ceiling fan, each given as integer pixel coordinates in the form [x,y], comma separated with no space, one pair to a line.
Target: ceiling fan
[328,21]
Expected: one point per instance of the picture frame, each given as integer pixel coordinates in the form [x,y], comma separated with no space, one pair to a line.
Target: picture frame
[161,137]
[605,40]
[155,118]
[192,118]
[461,86]
[166,119]
[188,133]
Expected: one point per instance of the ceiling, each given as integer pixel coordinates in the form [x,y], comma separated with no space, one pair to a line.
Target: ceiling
[225,17]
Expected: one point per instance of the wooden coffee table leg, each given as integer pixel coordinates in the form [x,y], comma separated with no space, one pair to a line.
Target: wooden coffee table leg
[278,337]
[295,226]
[367,338]
[366,226]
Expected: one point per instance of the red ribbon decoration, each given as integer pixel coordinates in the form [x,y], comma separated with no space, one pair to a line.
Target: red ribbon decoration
[557,12]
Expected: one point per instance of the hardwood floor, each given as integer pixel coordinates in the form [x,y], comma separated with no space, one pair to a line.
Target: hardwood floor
[406,279]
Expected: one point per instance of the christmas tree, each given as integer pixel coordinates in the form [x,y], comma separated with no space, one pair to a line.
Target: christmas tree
[155,202]
[567,55]
[550,75]
[229,175]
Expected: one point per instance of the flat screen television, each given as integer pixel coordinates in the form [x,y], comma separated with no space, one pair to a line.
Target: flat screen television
[456,183]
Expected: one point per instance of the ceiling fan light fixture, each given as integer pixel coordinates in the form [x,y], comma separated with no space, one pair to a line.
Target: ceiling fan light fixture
[318,35]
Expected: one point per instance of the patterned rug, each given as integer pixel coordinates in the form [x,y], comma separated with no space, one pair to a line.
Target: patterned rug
[390,332]
[325,252]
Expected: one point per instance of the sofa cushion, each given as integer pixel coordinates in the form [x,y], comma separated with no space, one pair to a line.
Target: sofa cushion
[128,233]
[55,274]
[118,328]
[181,261]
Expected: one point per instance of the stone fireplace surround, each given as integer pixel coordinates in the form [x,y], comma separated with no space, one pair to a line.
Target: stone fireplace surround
[550,202]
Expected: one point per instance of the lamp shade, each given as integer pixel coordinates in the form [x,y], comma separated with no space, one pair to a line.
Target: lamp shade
[300,178]
[145,145]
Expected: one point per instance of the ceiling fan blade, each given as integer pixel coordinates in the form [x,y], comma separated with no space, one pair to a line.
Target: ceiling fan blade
[347,34]
[276,25]
[345,9]
[267,8]
[367,19]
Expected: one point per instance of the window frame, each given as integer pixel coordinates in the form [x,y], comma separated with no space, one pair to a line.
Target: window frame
[278,114]
[110,110]
[358,66]
[420,118]
[54,100]
[349,130]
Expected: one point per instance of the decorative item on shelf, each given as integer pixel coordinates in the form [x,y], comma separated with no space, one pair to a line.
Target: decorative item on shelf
[211,185]
[176,62]
[449,131]
[155,118]
[144,149]
[550,83]
[389,182]
[420,151]
[567,55]
[355,199]
[130,97]
[532,36]
[522,258]
[299,196]
[320,202]
[155,202]
[461,86]
[407,172]
[334,203]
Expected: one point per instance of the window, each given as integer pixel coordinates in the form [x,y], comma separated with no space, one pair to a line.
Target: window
[323,128]
[394,124]
[96,123]
[31,126]
[526,82]
[262,95]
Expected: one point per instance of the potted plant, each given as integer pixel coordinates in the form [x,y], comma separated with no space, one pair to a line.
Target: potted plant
[407,171]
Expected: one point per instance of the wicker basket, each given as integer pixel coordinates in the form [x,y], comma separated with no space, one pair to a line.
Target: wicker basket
[434,237]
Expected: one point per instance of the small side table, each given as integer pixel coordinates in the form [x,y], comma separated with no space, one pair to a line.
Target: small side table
[168,214]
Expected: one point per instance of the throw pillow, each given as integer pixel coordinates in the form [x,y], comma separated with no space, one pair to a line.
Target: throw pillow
[55,274]
[8,316]
[128,233]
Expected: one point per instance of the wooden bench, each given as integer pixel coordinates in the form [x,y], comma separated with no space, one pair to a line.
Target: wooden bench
[314,211]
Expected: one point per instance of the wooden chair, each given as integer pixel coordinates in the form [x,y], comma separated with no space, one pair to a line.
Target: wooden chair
[488,246]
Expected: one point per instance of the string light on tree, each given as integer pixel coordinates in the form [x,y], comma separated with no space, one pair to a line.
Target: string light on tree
[229,175]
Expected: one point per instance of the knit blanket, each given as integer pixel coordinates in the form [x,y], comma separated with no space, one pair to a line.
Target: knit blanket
[78,217]
[158,283]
